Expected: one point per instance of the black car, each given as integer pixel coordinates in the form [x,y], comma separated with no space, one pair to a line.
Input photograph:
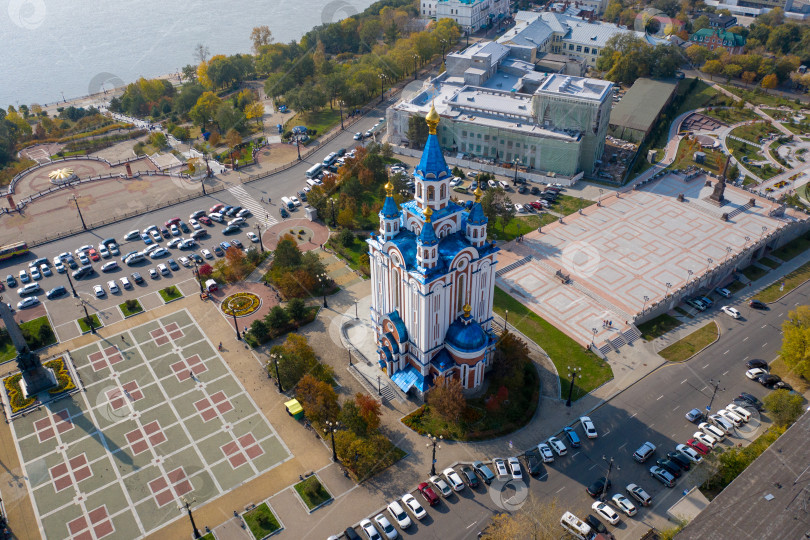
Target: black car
[82,272]
[469,478]
[351,534]
[301,195]
[535,190]
[197,258]
[230,229]
[219,251]
[756,304]
[596,525]
[233,211]
[681,460]
[184,227]
[534,462]
[165,232]
[669,466]
[596,489]
[56,292]
[198,214]
[341,152]
[173,265]
[522,190]
[749,400]
[137,278]
[762,364]
[768,380]
[225,210]
[284,213]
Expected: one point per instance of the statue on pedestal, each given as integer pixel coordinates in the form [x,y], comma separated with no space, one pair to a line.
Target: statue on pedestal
[35,377]
[720,187]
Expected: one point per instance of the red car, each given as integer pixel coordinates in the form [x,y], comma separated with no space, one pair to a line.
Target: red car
[205,220]
[216,208]
[173,221]
[428,494]
[93,254]
[536,205]
[699,446]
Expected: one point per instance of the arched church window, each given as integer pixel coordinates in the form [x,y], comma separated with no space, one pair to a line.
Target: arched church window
[419,189]
[443,191]
[460,292]
[431,193]
[387,227]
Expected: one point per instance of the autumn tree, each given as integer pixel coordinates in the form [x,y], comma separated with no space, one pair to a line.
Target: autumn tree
[784,407]
[202,113]
[236,262]
[369,410]
[796,341]
[318,399]
[297,358]
[749,77]
[713,67]
[255,111]
[769,82]
[538,519]
[260,36]
[447,398]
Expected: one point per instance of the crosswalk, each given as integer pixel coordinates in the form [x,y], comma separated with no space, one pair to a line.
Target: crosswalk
[246,201]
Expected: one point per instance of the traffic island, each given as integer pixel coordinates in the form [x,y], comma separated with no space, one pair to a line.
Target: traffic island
[262,522]
[170,294]
[687,347]
[312,493]
[84,323]
[130,308]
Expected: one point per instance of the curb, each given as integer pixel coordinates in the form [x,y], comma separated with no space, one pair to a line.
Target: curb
[716,339]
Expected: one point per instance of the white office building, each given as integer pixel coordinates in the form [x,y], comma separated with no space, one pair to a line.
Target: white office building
[471,15]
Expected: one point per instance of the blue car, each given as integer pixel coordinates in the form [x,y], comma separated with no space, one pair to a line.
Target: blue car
[573,438]
[146,238]
[225,245]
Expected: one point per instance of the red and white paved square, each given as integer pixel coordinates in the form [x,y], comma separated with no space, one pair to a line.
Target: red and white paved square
[210,407]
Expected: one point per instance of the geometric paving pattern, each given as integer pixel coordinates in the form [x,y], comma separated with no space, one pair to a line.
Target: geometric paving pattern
[161,418]
[628,253]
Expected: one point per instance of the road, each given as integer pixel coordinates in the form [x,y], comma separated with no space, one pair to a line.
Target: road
[651,410]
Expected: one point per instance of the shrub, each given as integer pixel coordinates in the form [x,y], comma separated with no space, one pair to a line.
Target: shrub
[296,309]
[345,237]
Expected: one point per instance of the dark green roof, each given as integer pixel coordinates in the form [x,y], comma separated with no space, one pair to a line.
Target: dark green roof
[730,39]
[642,104]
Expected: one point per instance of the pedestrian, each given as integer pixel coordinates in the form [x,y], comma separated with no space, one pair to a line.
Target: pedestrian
[122,338]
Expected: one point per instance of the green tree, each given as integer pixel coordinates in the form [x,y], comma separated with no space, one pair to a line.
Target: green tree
[417,131]
[784,407]
[297,309]
[204,110]
[287,254]
[351,419]
[700,23]
[497,205]
[731,71]
[318,398]
[345,237]
[260,330]
[713,67]
[277,318]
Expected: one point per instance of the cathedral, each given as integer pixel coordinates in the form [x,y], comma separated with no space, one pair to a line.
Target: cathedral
[432,281]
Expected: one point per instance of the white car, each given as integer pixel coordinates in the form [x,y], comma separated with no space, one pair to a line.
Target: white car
[722,424]
[35,273]
[27,302]
[156,235]
[689,452]
[125,283]
[109,266]
[386,527]
[195,224]
[163,269]
[368,528]
[455,181]
[588,427]
[624,504]
[174,230]
[754,373]
[605,511]
[453,479]
[413,505]
[472,174]
[701,437]
[184,261]
[46,271]
[103,251]
[99,291]
[59,267]
[153,273]
[731,417]
[545,451]
[174,242]
[295,200]
[158,253]
[557,445]
[739,411]
[731,312]
[358,136]
[500,467]
[441,486]
[206,254]
[514,468]
[712,431]
[519,209]
[253,236]
[113,286]
[399,515]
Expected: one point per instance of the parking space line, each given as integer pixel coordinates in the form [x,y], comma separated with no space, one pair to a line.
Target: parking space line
[763,326]
[622,446]
[725,352]
[725,373]
[575,455]
[559,490]
[660,397]
[745,338]
[676,407]
[704,367]
[683,381]
[592,466]
[632,415]
[605,434]
[763,345]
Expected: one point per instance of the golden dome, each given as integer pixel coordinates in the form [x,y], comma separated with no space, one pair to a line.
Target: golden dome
[478,193]
[389,189]
[428,213]
[467,309]
[432,120]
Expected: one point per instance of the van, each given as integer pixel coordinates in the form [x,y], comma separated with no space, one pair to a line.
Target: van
[328,160]
[211,285]
[288,203]
[216,216]
[136,258]
[82,272]
[196,235]
[503,185]
[312,183]
[132,235]
[575,526]
[315,170]
[644,452]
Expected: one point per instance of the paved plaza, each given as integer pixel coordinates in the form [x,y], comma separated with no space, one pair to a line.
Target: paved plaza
[161,416]
[631,248]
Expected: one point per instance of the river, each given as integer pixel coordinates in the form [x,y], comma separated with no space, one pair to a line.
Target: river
[79,47]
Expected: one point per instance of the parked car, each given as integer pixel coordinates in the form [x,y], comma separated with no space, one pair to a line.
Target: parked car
[469,477]
[712,431]
[368,529]
[594,523]
[691,453]
[751,400]
[755,373]
[137,278]
[680,460]
[545,451]
[98,290]
[385,526]
[572,436]
[606,512]
[597,487]
[588,427]
[695,416]
[662,476]
[673,468]
[514,468]
[557,445]
[31,301]
[413,505]
[730,417]
[706,440]
[731,312]
[739,411]
[484,473]
[757,304]
[635,491]
[534,462]
[500,467]
[399,515]
[723,292]
[56,292]
[441,486]
[624,504]
[428,494]
[698,446]
[453,479]
[109,266]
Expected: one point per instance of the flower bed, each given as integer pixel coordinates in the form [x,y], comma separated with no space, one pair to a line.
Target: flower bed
[241,304]
[64,382]
[14,392]
[170,294]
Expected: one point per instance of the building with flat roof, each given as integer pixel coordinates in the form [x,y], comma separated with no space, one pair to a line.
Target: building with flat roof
[751,8]
[775,488]
[472,15]
[634,116]
[507,111]
[559,33]
[723,22]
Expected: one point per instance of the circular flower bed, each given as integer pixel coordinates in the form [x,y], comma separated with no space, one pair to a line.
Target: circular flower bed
[241,304]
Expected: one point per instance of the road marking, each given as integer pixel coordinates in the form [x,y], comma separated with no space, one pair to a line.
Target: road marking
[660,397]
[683,381]
[676,408]
[746,338]
[781,314]
[763,345]
[763,326]
[559,490]
[592,466]
[650,425]
[633,415]
[725,352]
[725,373]
[575,455]
[704,367]
[622,446]
[605,434]
[744,359]
[473,524]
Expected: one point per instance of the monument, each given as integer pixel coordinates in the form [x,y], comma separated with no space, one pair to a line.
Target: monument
[35,377]
[717,196]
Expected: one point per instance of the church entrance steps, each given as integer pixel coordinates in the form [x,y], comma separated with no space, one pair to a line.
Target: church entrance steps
[739,210]
[605,348]
[618,341]
[631,334]
[512,266]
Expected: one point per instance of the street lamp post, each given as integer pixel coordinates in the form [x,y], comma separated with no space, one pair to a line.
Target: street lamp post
[79,210]
[415,66]
[236,326]
[323,278]
[689,278]
[83,303]
[298,146]
[572,372]
[350,356]
[355,310]
[668,284]
[444,45]
[274,357]
[382,87]
[435,442]
[70,282]
[331,427]
[595,331]
[340,105]
[505,319]
[646,299]
[186,505]
[332,206]
[197,276]
[259,230]
[607,477]
[379,385]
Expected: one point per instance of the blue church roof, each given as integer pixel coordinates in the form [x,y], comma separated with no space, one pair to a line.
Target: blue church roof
[449,247]
[432,166]
[476,216]
[427,237]
[443,361]
[399,324]
[389,209]
[408,378]
[469,337]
